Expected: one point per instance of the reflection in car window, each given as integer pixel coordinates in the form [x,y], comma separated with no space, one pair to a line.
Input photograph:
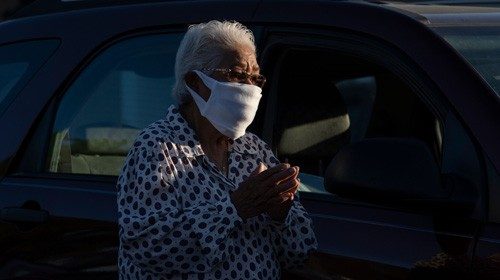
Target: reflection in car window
[18,63]
[123,90]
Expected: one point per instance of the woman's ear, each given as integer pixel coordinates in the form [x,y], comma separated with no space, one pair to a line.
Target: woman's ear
[196,84]
[192,80]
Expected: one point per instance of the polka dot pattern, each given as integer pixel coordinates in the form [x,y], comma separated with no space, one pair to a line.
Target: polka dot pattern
[176,220]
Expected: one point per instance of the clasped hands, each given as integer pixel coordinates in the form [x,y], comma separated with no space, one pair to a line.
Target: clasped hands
[268,191]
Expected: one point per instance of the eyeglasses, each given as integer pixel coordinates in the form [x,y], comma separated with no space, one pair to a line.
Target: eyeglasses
[238,75]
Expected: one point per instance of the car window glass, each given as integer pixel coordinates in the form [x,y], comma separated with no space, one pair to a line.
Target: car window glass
[124,89]
[18,63]
[342,99]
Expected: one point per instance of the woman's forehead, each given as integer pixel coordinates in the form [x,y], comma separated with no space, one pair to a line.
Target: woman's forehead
[240,58]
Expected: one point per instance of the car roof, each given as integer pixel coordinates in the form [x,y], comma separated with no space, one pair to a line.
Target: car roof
[450,13]
[430,12]
[133,14]
[39,7]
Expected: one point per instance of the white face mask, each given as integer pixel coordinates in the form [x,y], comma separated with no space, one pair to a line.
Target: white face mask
[231,106]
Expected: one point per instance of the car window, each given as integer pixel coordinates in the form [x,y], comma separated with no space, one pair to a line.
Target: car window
[18,63]
[327,100]
[120,92]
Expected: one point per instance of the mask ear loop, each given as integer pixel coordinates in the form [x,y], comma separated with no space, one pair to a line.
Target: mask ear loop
[200,102]
[207,80]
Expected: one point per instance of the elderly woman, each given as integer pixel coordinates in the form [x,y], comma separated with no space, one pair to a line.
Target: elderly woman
[199,197]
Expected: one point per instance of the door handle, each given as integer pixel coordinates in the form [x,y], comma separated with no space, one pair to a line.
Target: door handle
[16,214]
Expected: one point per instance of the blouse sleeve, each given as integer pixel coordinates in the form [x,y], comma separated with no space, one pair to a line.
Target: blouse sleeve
[294,238]
[159,236]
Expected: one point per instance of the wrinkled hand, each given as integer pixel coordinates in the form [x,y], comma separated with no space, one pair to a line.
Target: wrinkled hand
[263,188]
[279,206]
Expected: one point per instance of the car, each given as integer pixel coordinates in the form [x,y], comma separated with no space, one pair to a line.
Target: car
[390,109]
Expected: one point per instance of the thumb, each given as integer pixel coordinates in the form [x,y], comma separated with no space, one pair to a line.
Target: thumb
[261,167]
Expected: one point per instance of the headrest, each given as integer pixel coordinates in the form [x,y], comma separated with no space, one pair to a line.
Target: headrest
[359,97]
[313,120]
[102,140]
[300,138]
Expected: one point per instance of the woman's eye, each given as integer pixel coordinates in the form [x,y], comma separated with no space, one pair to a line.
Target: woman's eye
[238,75]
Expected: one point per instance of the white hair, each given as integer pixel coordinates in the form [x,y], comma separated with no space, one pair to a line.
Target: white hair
[204,45]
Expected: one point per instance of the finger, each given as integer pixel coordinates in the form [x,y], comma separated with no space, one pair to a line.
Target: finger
[261,191]
[260,186]
[270,194]
[287,190]
[281,176]
[295,175]
[275,201]
[271,171]
[259,169]
[296,189]
[298,172]
[262,167]
[250,186]
[288,186]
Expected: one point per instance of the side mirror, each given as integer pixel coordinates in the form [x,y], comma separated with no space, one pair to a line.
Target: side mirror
[396,172]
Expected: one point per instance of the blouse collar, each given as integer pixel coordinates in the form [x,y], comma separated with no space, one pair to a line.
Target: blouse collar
[188,142]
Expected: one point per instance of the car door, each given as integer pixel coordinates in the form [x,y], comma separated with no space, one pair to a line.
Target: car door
[333,88]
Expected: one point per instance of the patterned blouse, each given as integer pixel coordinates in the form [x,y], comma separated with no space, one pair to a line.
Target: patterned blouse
[176,218]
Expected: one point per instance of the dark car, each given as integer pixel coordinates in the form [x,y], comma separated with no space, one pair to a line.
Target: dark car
[391,110]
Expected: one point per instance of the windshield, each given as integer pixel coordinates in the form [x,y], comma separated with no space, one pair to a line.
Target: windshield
[480,45]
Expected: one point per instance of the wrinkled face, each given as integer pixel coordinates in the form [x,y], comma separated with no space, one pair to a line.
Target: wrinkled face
[243,59]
